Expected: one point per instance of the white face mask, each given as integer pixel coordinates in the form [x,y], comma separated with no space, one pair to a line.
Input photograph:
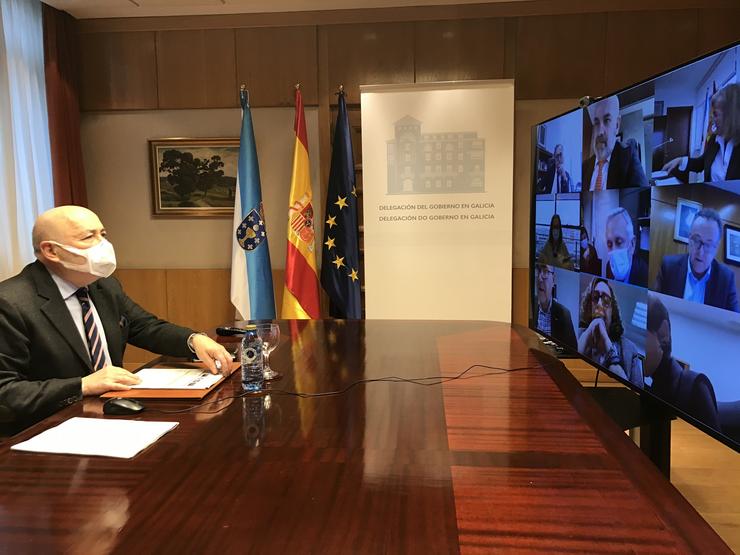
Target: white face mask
[620,262]
[100,260]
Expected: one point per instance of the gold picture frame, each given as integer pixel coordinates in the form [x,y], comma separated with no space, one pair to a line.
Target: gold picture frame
[194,177]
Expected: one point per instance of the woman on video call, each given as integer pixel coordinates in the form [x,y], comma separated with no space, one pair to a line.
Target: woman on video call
[720,160]
[554,252]
[603,338]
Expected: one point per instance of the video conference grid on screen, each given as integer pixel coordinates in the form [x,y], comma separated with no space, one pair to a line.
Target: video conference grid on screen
[637,237]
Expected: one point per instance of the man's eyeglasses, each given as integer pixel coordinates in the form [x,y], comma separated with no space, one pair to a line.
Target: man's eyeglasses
[696,243]
[544,272]
[605,298]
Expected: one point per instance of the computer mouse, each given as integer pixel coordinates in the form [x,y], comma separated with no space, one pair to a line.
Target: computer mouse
[119,405]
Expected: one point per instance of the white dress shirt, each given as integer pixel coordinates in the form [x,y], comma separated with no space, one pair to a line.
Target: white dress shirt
[718,170]
[696,288]
[67,291]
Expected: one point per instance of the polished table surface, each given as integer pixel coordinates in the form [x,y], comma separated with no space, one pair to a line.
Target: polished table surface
[514,459]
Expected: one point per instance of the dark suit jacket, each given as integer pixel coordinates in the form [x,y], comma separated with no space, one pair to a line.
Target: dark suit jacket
[638,271]
[625,169]
[704,162]
[592,265]
[545,182]
[689,391]
[720,292]
[42,355]
[562,325]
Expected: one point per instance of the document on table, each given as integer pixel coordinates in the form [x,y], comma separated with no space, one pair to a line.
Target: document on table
[102,437]
[176,378]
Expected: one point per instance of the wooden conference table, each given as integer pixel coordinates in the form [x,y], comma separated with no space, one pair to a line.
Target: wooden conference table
[512,461]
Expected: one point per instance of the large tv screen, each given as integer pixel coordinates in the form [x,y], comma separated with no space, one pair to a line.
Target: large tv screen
[635,250]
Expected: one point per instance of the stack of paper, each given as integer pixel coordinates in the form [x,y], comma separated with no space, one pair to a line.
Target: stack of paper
[97,436]
[176,378]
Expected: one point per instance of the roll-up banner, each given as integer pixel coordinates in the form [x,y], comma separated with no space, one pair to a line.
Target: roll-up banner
[437,167]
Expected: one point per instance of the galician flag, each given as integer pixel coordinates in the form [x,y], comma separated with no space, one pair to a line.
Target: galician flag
[301,293]
[251,273]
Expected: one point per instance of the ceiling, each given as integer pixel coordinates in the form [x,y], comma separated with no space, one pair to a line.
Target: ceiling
[91,9]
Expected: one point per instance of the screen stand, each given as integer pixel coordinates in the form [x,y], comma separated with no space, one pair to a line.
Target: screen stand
[649,418]
[655,434]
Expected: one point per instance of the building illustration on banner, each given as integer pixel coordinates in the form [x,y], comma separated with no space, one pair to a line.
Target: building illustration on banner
[444,162]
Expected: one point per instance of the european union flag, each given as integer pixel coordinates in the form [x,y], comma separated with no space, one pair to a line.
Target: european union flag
[340,263]
[251,273]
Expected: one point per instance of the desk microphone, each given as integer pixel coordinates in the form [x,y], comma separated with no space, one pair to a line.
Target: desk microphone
[229,330]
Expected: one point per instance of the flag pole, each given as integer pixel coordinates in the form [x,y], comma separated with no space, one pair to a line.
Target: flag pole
[243,89]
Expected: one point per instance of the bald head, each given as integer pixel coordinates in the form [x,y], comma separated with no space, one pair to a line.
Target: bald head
[58,237]
[605,122]
[63,223]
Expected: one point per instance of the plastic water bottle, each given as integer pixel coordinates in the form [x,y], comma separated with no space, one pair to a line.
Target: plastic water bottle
[253,365]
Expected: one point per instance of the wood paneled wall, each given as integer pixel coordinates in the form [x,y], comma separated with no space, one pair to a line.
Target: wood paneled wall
[194,298]
[553,51]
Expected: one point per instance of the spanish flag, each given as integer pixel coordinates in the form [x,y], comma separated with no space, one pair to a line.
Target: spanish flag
[301,295]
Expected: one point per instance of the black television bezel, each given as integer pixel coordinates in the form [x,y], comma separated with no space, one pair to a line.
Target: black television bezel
[722,438]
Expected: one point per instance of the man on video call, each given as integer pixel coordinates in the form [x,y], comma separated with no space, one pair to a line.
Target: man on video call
[556,179]
[697,276]
[690,391]
[552,317]
[64,323]
[612,164]
[623,263]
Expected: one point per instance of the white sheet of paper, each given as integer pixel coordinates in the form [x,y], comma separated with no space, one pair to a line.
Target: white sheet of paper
[175,378]
[97,436]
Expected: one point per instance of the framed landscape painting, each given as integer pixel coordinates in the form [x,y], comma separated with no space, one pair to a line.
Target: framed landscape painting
[194,177]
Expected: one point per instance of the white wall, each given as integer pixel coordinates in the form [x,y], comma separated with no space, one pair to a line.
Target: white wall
[118,173]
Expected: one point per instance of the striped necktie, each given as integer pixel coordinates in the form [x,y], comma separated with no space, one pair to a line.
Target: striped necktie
[599,185]
[94,342]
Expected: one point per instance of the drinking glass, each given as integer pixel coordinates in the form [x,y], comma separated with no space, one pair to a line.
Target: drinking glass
[270,335]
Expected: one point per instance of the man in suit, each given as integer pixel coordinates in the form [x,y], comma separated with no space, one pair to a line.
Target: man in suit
[690,391]
[553,318]
[556,179]
[624,264]
[612,164]
[697,276]
[64,323]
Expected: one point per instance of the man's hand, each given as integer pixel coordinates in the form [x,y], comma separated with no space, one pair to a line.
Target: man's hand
[110,378]
[207,350]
